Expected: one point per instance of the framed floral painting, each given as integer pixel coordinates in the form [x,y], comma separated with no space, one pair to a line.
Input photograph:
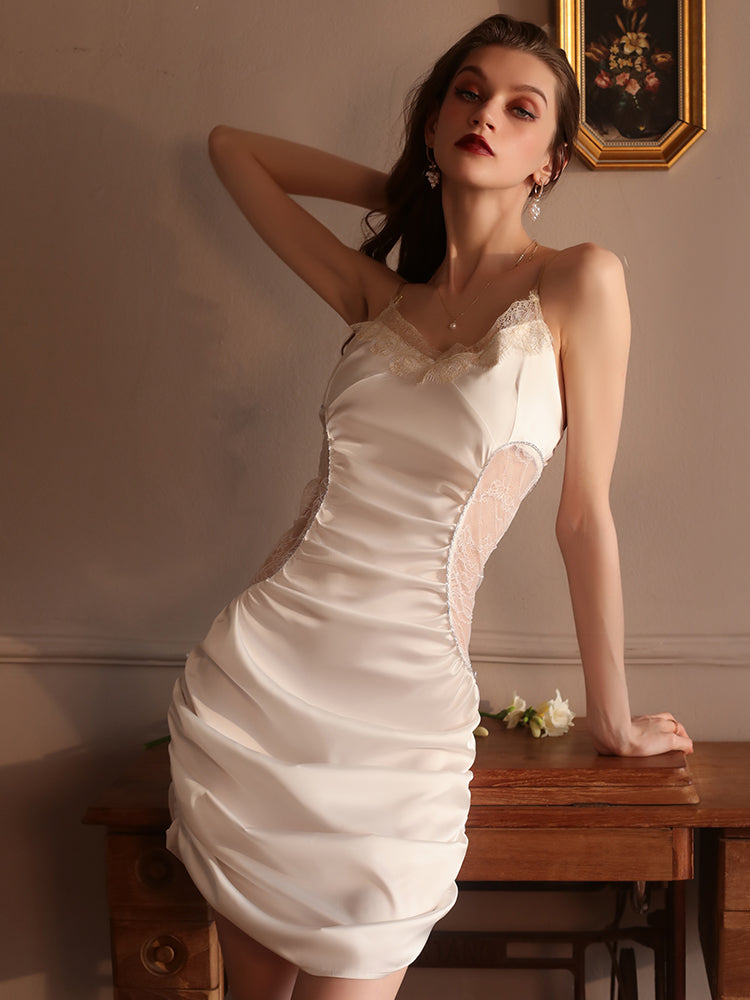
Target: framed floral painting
[640,66]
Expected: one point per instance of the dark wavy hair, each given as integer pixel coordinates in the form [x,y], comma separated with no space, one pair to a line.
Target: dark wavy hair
[415,213]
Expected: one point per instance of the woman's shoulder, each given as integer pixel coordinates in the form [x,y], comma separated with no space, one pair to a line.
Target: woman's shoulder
[584,263]
[583,286]
[581,274]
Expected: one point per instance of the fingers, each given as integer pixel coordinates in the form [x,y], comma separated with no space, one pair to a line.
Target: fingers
[669,724]
[681,740]
[684,742]
[660,733]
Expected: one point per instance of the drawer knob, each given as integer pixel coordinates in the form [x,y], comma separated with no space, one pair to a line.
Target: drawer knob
[155,868]
[163,955]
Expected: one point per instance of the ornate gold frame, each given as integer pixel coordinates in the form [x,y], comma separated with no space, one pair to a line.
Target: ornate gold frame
[599,151]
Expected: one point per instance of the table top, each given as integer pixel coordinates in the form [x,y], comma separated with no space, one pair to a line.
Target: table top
[616,792]
[514,768]
[523,782]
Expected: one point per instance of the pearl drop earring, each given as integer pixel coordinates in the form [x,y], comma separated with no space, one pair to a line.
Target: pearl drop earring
[432,172]
[535,205]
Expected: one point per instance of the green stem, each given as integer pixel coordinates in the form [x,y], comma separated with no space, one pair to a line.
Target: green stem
[495,715]
[155,743]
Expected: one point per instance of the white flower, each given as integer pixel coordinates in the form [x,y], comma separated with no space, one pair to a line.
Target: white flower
[552,718]
[514,712]
[557,715]
[536,725]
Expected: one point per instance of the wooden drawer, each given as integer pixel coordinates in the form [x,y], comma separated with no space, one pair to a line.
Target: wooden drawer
[164,956]
[735,874]
[734,957]
[725,912]
[142,874]
[578,855]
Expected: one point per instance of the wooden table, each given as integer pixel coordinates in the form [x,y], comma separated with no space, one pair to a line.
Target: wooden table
[548,811]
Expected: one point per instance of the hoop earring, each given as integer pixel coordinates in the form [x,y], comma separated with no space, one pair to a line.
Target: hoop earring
[432,171]
[535,205]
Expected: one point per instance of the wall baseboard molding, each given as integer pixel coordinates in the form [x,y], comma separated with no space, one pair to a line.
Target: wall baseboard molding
[716,649]
[487,647]
[94,651]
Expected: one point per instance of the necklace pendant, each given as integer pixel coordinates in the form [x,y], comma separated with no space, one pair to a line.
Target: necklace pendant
[452,326]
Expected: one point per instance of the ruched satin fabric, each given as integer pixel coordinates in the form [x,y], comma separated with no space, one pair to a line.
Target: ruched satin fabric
[322,731]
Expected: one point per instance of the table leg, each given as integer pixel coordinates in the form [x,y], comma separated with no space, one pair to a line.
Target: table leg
[579,972]
[676,937]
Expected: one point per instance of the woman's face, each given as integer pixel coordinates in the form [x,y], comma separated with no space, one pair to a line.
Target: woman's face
[496,124]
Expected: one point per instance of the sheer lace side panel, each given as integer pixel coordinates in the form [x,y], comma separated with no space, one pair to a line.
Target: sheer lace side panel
[312,497]
[505,480]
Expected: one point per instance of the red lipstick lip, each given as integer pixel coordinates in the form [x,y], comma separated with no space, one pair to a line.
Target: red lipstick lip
[475,143]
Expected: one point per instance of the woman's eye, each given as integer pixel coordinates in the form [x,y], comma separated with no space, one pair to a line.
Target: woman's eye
[467,95]
[522,112]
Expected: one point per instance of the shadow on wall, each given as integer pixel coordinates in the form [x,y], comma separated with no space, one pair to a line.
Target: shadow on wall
[52,877]
[52,869]
[114,388]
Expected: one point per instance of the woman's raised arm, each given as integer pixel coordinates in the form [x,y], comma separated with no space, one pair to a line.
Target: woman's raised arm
[595,340]
[261,172]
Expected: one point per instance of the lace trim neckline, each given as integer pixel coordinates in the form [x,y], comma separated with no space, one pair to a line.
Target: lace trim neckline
[521,324]
[515,313]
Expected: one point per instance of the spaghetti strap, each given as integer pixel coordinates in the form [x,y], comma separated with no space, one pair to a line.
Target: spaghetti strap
[398,294]
[394,300]
[542,269]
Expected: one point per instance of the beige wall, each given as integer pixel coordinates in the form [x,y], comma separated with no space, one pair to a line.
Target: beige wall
[161,375]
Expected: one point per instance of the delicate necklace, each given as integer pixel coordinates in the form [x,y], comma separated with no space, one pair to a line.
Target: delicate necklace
[526,254]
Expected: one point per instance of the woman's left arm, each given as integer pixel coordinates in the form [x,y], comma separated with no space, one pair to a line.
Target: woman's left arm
[595,335]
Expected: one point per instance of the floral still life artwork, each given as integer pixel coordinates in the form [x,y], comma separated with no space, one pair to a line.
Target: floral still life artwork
[553,717]
[630,88]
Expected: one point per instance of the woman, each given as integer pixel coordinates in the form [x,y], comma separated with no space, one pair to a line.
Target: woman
[322,734]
